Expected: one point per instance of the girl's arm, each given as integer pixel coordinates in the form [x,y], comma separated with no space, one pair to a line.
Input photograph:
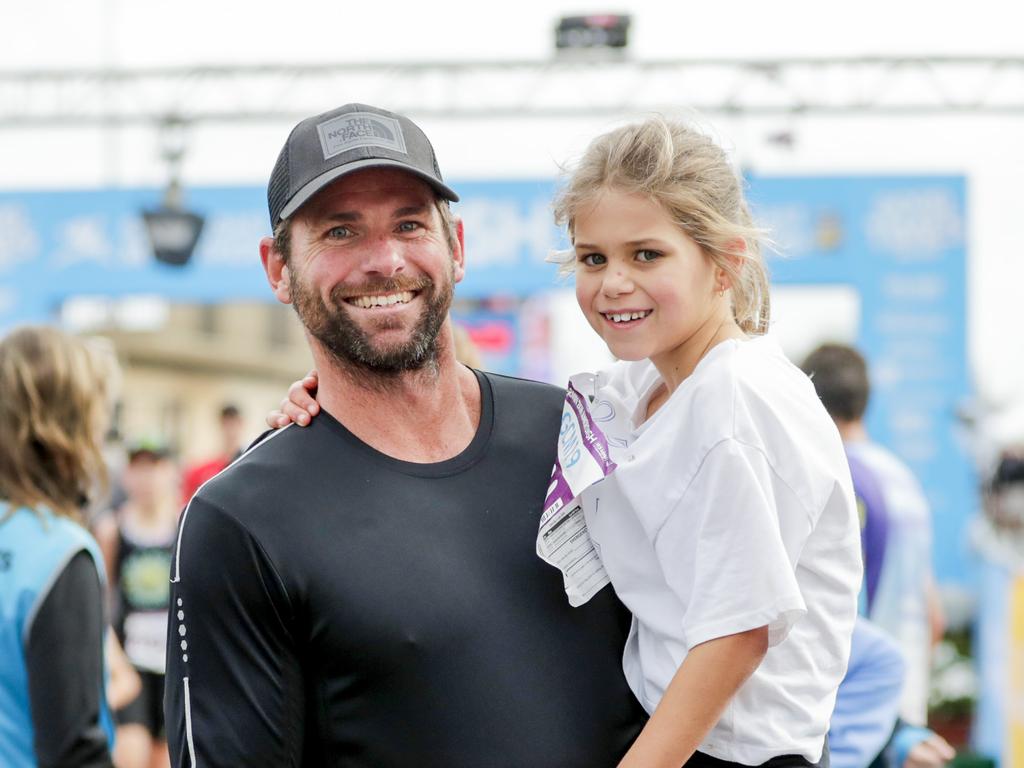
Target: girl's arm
[695,699]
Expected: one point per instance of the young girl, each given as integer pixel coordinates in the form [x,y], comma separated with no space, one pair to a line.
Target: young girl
[728,525]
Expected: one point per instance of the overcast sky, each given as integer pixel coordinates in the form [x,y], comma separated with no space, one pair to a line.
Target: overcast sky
[53,33]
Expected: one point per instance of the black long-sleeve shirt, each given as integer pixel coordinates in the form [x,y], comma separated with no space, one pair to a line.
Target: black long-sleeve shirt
[334,606]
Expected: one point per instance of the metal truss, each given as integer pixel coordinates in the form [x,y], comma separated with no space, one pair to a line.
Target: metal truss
[561,87]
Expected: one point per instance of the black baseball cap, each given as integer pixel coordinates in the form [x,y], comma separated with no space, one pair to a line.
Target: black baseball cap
[323,148]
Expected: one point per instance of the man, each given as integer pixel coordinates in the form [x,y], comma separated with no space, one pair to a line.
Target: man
[364,592]
[899,594]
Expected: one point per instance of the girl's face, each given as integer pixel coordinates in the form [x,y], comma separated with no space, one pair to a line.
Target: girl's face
[644,285]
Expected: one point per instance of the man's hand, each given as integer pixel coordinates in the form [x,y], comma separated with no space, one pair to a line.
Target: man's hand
[933,752]
[299,407]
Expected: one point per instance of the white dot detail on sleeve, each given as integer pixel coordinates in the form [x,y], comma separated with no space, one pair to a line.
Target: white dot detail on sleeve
[181,630]
[181,615]
[184,645]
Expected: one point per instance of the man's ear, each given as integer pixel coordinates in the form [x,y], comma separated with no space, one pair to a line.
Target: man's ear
[459,251]
[278,273]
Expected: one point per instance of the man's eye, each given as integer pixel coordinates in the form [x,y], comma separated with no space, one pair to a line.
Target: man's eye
[409,226]
[339,232]
[647,255]
[593,259]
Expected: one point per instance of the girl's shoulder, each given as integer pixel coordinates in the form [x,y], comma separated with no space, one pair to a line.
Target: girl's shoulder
[749,390]
[755,364]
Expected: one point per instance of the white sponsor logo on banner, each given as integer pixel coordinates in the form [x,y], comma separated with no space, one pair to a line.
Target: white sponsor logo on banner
[19,243]
[918,222]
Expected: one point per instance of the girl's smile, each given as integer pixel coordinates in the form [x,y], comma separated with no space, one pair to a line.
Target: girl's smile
[622,319]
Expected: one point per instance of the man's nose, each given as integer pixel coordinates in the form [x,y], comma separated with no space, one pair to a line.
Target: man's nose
[384,257]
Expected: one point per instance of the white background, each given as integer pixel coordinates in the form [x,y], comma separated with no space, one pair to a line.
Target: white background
[989,150]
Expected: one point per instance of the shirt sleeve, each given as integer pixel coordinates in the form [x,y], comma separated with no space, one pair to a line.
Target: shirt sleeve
[234,691]
[868,699]
[64,657]
[729,548]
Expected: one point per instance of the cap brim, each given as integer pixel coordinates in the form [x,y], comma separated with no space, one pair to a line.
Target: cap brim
[307,191]
[155,454]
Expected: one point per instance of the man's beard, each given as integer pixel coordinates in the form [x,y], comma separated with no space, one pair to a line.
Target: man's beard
[352,347]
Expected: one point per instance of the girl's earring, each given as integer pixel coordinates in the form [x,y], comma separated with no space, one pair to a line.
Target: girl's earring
[721,290]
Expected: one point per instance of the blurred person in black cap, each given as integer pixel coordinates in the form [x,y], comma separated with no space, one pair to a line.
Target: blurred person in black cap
[365,592]
[137,540]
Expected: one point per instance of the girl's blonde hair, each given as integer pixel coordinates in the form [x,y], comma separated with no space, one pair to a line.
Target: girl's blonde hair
[54,398]
[691,178]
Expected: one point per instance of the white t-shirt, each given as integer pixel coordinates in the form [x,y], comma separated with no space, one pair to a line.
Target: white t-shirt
[731,509]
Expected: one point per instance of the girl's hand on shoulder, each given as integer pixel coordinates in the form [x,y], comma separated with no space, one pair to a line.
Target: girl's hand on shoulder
[299,407]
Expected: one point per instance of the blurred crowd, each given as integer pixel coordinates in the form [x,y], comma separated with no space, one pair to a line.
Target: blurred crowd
[57,397]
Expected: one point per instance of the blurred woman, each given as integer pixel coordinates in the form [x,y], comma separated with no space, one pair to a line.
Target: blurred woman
[54,406]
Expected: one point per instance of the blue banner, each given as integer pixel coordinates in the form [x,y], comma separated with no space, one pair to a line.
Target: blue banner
[899,242]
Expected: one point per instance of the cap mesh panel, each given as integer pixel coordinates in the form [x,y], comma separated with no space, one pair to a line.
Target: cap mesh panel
[277,189]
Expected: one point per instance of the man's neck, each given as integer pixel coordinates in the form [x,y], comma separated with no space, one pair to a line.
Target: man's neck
[852,431]
[423,416]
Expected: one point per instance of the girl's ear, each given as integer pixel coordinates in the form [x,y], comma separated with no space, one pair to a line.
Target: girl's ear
[735,253]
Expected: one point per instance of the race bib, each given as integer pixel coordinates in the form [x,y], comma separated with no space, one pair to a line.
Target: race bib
[145,640]
[583,459]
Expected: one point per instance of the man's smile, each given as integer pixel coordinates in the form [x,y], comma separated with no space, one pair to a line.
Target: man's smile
[372,301]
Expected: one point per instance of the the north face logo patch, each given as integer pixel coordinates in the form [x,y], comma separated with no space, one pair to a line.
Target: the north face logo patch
[360,129]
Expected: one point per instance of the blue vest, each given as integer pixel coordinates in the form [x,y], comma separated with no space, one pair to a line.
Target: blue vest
[34,550]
